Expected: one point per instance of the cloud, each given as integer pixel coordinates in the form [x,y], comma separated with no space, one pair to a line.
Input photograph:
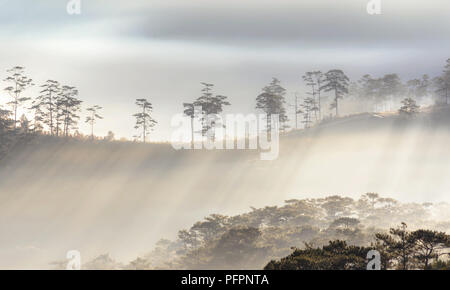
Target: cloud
[323,24]
[310,23]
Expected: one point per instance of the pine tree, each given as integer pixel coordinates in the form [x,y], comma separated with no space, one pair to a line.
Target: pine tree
[391,88]
[418,88]
[93,117]
[38,115]
[430,245]
[70,106]
[19,83]
[335,80]
[271,101]
[368,91]
[400,245]
[189,110]
[314,80]
[309,107]
[144,119]
[211,106]
[442,83]
[45,104]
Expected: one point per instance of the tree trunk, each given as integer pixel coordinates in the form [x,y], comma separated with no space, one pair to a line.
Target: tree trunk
[320,106]
[446,96]
[296,114]
[192,132]
[15,114]
[269,126]
[51,114]
[143,126]
[336,101]
[15,108]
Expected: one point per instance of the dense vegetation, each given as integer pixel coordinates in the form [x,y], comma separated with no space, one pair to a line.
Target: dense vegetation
[399,249]
[327,233]
[337,255]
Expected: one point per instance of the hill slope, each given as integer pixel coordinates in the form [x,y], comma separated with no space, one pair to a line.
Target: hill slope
[120,198]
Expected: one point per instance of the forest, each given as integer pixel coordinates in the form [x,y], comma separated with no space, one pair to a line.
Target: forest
[84,190]
[332,233]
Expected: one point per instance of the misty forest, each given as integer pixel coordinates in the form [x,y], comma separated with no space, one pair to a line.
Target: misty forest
[362,165]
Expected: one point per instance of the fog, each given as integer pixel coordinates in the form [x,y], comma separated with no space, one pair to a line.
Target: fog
[116,51]
[121,197]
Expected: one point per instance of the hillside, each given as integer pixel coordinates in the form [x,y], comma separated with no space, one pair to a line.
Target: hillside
[122,197]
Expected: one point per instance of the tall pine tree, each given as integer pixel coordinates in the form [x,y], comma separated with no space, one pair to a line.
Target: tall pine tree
[271,101]
[335,80]
[144,119]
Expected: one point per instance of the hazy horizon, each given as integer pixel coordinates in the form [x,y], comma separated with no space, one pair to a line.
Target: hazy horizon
[116,52]
[387,134]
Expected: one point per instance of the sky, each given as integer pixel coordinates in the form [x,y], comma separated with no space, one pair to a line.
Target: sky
[117,51]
